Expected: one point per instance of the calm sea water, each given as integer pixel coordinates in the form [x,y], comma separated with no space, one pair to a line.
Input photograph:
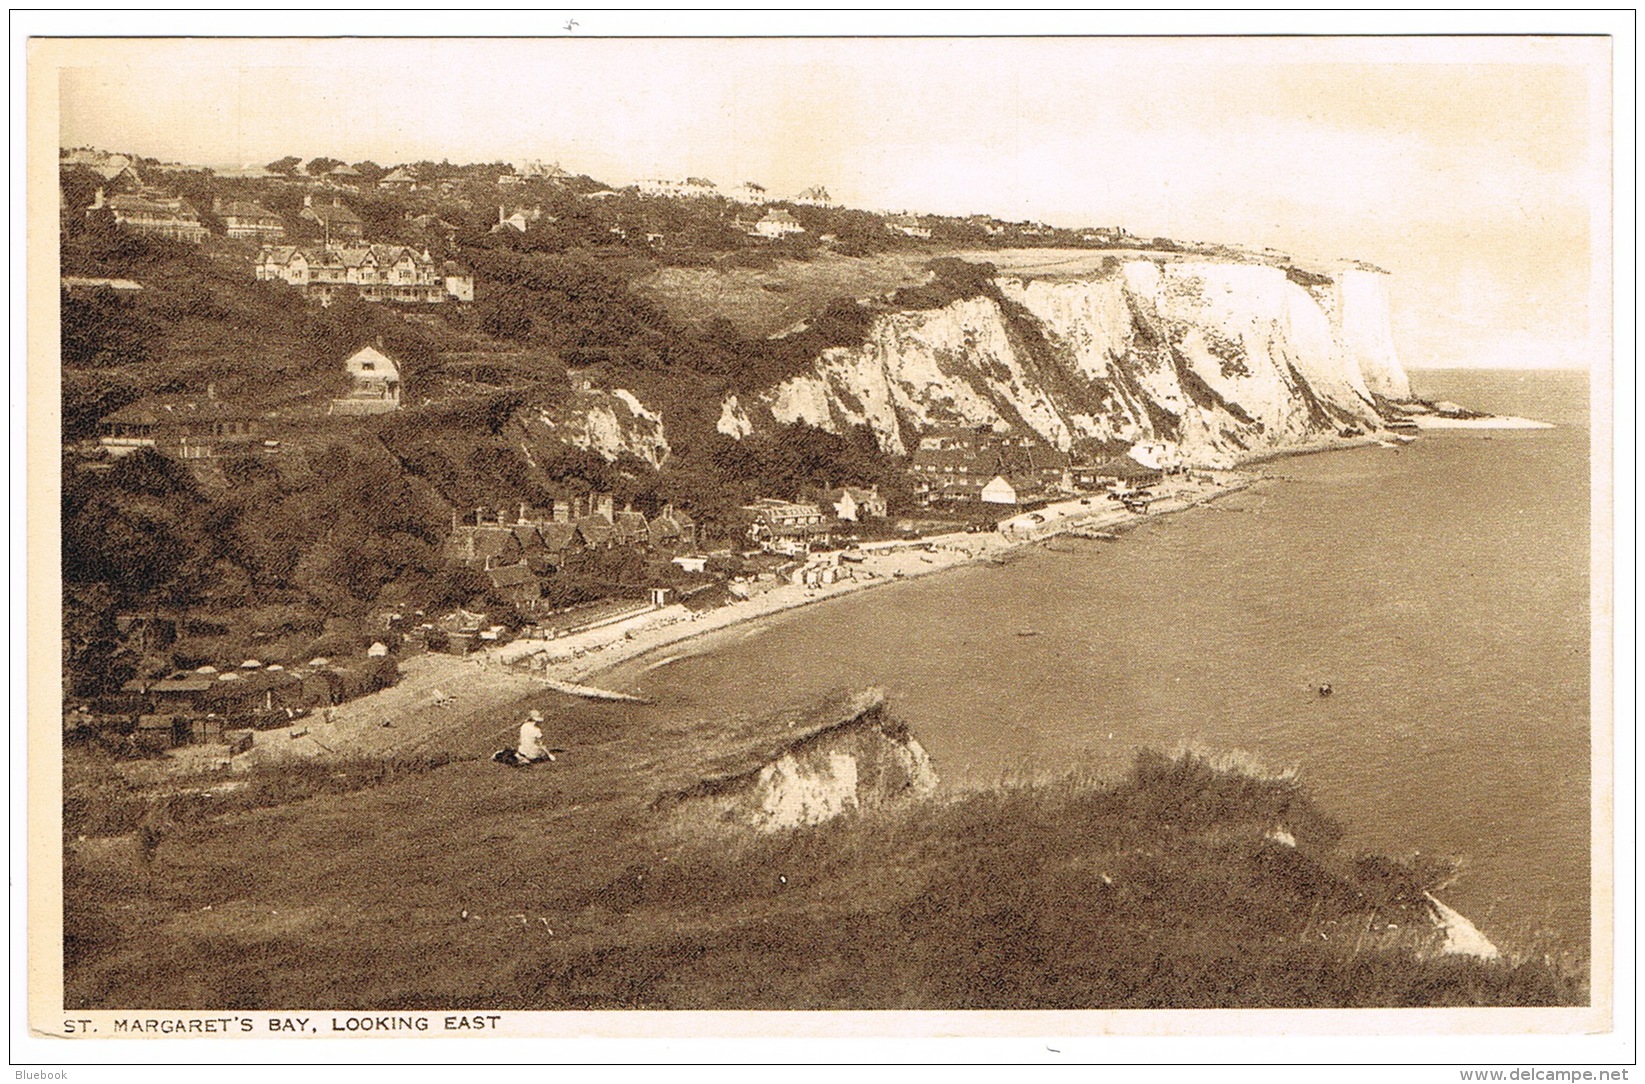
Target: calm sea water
[1441,589]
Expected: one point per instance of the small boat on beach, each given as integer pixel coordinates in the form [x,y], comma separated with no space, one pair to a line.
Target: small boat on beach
[1028,632]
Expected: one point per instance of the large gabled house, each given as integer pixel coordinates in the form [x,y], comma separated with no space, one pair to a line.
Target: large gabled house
[397,273]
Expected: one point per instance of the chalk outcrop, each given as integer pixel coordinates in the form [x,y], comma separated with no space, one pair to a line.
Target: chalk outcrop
[860,758]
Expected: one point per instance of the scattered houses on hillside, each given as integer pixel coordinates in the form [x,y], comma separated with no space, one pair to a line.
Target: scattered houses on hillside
[375,384]
[171,217]
[395,273]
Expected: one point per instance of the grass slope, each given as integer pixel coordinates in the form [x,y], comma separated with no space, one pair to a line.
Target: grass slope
[470,885]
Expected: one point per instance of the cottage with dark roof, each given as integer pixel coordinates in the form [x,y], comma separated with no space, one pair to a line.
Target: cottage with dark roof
[338,222]
[516,583]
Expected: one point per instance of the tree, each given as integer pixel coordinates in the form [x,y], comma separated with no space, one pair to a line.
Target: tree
[287,165]
[319,167]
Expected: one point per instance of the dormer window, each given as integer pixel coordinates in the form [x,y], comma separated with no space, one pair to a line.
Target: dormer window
[368,366]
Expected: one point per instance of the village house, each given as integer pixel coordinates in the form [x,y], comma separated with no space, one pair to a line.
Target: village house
[777,521]
[345,177]
[672,527]
[519,220]
[400,180]
[116,171]
[245,218]
[171,217]
[394,273]
[204,429]
[854,505]
[998,490]
[815,196]
[516,584]
[953,474]
[375,380]
[908,226]
[631,528]
[339,223]
[777,224]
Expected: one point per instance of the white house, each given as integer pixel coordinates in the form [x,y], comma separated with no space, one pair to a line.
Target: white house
[376,384]
[778,223]
[999,491]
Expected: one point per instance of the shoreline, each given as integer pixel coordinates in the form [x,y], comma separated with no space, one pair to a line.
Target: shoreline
[439,697]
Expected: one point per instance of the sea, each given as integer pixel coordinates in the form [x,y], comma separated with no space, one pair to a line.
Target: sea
[1441,589]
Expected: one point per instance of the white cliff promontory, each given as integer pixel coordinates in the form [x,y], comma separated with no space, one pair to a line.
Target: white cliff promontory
[1223,358]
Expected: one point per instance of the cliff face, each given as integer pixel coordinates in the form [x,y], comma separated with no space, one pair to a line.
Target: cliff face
[608,423]
[1223,359]
[861,758]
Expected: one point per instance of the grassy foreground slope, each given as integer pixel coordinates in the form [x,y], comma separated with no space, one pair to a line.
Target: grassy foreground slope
[559,887]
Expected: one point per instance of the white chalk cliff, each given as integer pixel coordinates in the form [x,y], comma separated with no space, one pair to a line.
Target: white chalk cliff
[1222,358]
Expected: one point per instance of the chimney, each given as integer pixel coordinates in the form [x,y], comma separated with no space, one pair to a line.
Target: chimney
[605,505]
[479,516]
[562,511]
[97,202]
[500,214]
[502,516]
[308,201]
[524,508]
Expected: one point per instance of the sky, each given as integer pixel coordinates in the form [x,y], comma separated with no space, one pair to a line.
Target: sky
[1475,170]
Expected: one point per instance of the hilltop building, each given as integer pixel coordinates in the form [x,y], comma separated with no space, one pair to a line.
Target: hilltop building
[690,188]
[815,196]
[115,172]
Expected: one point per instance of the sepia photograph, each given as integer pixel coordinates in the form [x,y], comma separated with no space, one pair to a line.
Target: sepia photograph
[579,530]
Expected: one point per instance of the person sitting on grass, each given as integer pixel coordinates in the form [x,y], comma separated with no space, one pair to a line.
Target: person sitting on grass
[530,749]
